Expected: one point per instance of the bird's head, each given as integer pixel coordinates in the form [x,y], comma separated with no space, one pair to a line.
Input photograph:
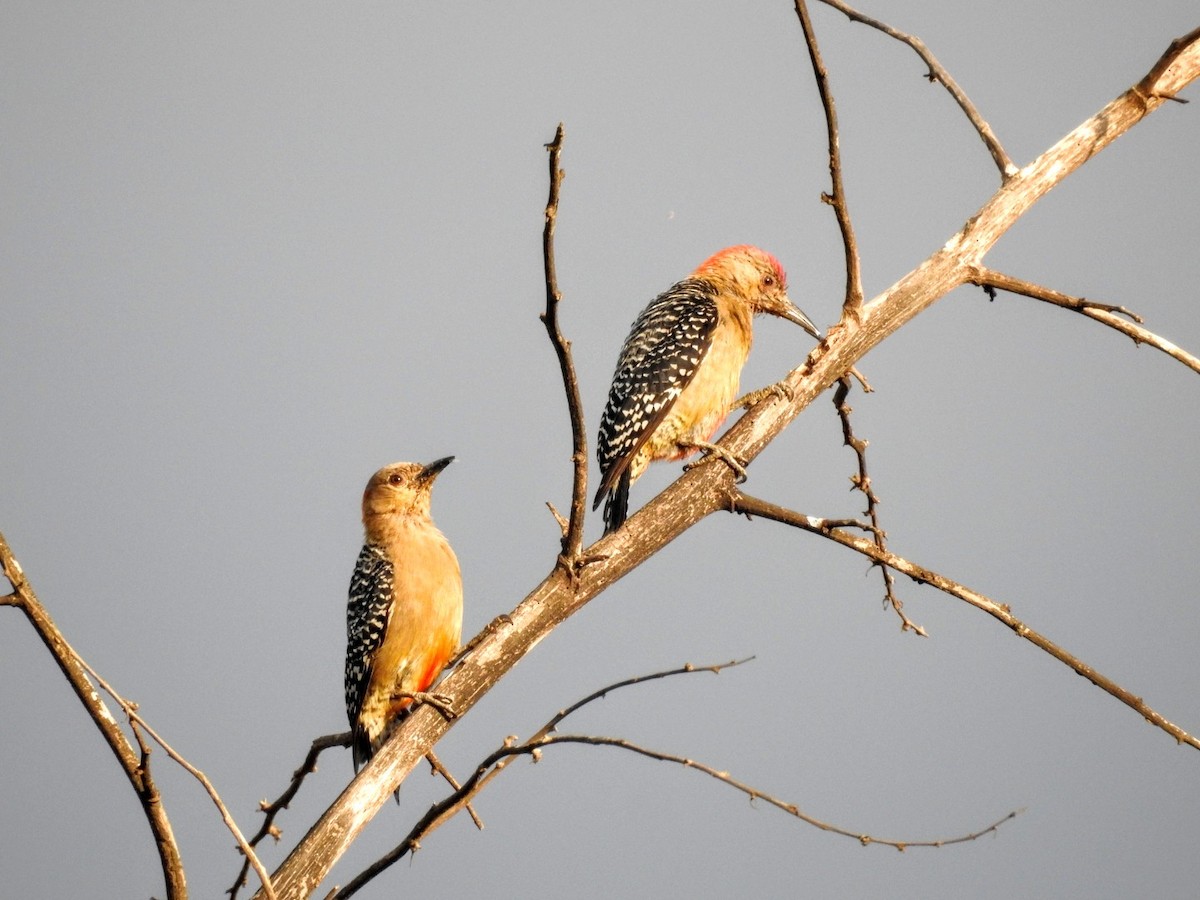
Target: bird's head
[402,488]
[757,278]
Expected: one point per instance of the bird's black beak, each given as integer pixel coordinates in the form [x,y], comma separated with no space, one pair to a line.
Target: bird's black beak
[793,313]
[431,471]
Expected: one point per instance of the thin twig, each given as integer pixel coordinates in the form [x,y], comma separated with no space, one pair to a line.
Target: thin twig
[572,542]
[741,503]
[438,768]
[1115,317]
[544,737]
[493,765]
[861,481]
[852,305]
[247,850]
[136,721]
[134,765]
[755,794]
[271,810]
[937,72]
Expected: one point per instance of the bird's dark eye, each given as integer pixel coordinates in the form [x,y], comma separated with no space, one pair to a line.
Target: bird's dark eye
[768,280]
[395,478]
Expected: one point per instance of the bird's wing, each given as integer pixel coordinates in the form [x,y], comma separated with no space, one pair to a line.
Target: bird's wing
[367,614]
[659,359]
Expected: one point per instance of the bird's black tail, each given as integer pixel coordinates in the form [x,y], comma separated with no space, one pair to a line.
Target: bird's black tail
[362,751]
[616,506]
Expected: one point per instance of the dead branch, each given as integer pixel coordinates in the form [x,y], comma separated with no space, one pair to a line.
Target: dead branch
[938,72]
[862,482]
[493,765]
[271,810]
[852,304]
[572,541]
[545,737]
[742,503]
[136,766]
[755,794]
[1115,317]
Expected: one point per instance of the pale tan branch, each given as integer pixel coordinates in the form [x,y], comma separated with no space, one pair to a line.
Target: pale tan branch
[742,503]
[135,765]
[938,72]
[853,301]
[1115,317]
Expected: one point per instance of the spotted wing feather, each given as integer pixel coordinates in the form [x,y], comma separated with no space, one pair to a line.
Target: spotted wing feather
[659,359]
[367,612]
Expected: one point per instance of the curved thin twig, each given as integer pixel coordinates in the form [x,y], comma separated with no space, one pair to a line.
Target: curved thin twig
[862,482]
[852,304]
[493,765]
[271,810]
[937,72]
[134,765]
[572,542]
[755,794]
[1116,317]
[742,503]
[139,724]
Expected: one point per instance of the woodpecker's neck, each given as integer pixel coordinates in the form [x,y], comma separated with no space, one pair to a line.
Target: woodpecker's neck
[738,315]
[384,529]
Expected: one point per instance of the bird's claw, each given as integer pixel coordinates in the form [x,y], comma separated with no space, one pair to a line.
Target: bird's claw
[780,390]
[738,466]
[443,703]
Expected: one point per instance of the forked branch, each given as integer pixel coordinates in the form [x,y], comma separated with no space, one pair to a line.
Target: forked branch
[1115,317]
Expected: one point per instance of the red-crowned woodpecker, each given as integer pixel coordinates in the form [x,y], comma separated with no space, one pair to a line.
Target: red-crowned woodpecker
[679,369]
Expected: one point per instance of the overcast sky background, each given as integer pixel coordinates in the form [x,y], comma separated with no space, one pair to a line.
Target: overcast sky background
[252,252]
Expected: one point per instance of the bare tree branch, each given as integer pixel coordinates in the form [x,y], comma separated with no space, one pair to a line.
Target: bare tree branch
[742,503]
[136,766]
[705,489]
[573,534]
[937,72]
[852,304]
[493,765]
[271,810]
[498,760]
[755,794]
[1115,317]
[862,482]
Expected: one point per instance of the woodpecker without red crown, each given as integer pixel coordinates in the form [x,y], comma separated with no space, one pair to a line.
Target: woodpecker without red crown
[679,368]
[404,614]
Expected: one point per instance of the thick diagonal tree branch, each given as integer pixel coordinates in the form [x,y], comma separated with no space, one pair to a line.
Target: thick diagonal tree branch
[704,489]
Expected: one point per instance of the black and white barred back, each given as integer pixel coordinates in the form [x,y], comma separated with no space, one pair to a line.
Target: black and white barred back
[661,355]
[367,612]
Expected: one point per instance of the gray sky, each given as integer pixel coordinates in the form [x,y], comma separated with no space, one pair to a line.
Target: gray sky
[251,253]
